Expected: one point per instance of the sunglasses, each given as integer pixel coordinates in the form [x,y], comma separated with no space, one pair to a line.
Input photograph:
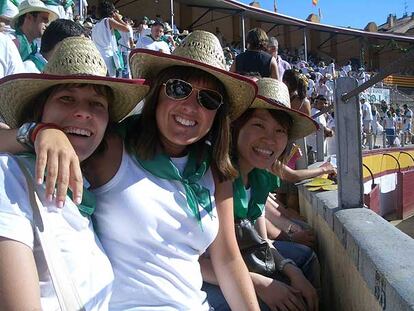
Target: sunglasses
[179,90]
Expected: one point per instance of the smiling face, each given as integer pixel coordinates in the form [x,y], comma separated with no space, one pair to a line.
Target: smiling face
[261,140]
[82,113]
[183,122]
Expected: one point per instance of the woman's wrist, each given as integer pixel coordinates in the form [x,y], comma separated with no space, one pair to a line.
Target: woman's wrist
[39,127]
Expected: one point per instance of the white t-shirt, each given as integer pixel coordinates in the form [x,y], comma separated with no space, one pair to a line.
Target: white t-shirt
[366,107]
[80,249]
[389,122]
[151,241]
[146,42]
[10,60]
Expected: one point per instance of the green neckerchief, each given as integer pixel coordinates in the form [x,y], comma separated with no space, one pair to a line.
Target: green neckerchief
[15,2]
[88,204]
[51,2]
[261,183]
[117,35]
[67,4]
[197,196]
[25,48]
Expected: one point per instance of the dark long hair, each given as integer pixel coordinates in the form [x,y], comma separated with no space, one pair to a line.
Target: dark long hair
[295,82]
[283,118]
[145,141]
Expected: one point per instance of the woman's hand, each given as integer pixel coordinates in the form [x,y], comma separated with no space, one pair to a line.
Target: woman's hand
[305,237]
[277,295]
[299,282]
[328,168]
[56,156]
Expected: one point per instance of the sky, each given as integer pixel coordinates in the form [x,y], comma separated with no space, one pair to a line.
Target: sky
[345,13]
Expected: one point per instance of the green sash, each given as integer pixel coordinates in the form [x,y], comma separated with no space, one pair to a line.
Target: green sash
[197,196]
[25,48]
[261,183]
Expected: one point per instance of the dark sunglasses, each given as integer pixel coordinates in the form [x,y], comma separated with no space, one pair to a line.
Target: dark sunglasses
[179,90]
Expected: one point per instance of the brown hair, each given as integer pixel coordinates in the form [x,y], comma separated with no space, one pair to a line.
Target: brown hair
[257,39]
[282,117]
[295,82]
[146,144]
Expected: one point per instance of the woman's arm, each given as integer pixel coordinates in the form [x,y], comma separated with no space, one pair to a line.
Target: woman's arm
[290,175]
[275,294]
[228,265]
[116,22]
[260,226]
[19,282]
[274,70]
[55,155]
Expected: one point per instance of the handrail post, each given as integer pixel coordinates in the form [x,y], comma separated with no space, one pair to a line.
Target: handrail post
[349,157]
[320,150]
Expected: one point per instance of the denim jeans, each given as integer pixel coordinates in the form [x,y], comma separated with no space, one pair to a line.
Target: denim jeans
[303,256]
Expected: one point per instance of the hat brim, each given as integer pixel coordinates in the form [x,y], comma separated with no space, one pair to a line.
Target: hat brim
[52,14]
[19,90]
[241,91]
[302,126]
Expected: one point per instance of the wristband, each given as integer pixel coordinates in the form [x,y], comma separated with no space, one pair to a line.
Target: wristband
[41,126]
[23,134]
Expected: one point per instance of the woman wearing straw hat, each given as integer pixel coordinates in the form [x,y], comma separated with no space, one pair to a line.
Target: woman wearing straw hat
[75,96]
[260,136]
[162,190]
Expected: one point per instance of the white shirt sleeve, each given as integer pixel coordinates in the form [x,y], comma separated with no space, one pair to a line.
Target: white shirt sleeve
[10,60]
[15,210]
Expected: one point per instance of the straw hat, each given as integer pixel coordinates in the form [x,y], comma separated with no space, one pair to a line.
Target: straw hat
[28,6]
[274,94]
[76,60]
[202,50]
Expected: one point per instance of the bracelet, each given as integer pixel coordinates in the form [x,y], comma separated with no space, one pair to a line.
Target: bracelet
[284,262]
[41,126]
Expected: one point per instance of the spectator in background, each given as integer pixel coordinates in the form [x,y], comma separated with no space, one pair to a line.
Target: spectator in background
[323,89]
[273,49]
[104,38]
[10,60]
[331,68]
[256,60]
[408,117]
[56,32]
[168,36]
[296,84]
[366,116]
[319,104]
[377,128]
[126,43]
[389,124]
[8,10]
[30,23]
[346,69]
[154,40]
